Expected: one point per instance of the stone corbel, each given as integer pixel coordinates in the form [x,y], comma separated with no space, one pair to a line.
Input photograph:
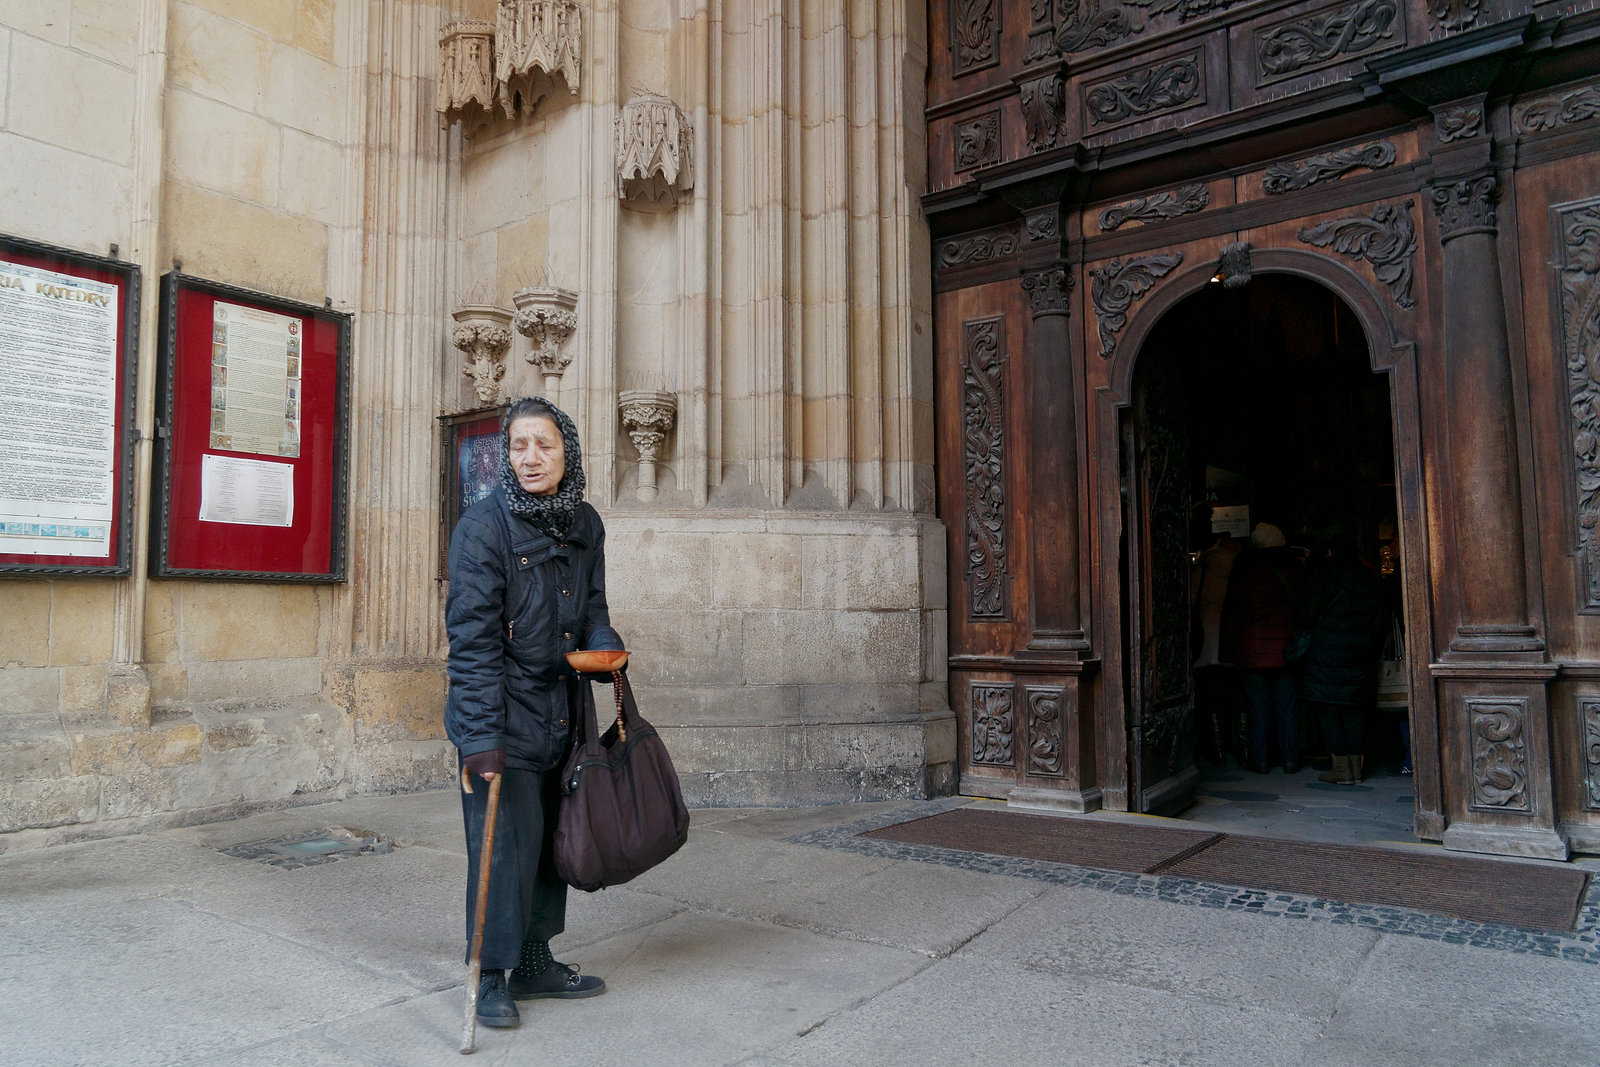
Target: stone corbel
[647,416]
[483,334]
[547,316]
[536,42]
[465,92]
[655,152]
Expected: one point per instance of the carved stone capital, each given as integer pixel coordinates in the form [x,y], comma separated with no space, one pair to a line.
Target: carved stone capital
[648,416]
[483,334]
[536,43]
[1465,206]
[655,151]
[1049,290]
[465,90]
[546,316]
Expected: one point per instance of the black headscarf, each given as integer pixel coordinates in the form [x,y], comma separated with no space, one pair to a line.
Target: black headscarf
[553,514]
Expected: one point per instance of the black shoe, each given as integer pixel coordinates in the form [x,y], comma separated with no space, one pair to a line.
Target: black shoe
[495,1006]
[1291,768]
[558,980]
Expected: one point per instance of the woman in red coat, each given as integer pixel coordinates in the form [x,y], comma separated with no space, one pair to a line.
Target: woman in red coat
[1257,622]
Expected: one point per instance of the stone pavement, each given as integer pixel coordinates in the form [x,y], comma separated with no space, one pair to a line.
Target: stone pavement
[775,937]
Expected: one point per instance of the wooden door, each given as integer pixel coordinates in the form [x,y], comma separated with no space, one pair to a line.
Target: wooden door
[1160,680]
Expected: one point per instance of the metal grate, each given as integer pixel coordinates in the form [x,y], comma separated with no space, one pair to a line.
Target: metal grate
[310,849]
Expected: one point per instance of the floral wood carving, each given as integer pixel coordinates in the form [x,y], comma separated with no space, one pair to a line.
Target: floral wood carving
[1454,123]
[1291,47]
[1580,340]
[536,41]
[1141,93]
[483,334]
[547,316]
[1288,177]
[1234,265]
[1043,223]
[1553,112]
[1044,730]
[1499,753]
[1589,714]
[1117,285]
[978,247]
[655,151]
[1049,290]
[1043,108]
[1041,31]
[1167,205]
[465,90]
[983,439]
[1084,24]
[974,36]
[978,141]
[1452,15]
[1387,240]
[1465,206]
[647,418]
[992,725]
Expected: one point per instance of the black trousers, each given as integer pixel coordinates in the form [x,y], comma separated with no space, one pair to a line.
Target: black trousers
[526,899]
[1341,726]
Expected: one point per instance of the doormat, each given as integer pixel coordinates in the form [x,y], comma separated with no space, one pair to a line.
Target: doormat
[1480,890]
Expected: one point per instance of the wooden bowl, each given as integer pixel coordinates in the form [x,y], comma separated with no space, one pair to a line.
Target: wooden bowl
[597,661]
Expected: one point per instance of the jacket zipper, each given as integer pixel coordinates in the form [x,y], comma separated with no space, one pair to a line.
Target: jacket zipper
[511,630]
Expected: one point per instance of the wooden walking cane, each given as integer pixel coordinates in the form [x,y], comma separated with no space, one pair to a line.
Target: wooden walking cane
[469,1033]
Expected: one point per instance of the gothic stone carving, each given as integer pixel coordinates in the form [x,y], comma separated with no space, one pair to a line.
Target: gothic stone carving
[1044,730]
[1499,753]
[547,316]
[984,454]
[483,333]
[1580,339]
[992,726]
[978,247]
[1453,15]
[1553,112]
[1300,44]
[1589,730]
[1465,206]
[978,141]
[1049,290]
[974,36]
[1288,177]
[1387,240]
[1143,93]
[535,42]
[647,417]
[1167,205]
[655,151]
[1117,285]
[1455,123]
[1043,108]
[465,92]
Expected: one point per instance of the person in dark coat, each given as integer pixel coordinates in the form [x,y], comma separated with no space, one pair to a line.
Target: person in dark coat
[1257,621]
[527,584]
[1341,608]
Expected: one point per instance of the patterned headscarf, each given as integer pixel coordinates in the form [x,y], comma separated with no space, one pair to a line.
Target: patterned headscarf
[553,514]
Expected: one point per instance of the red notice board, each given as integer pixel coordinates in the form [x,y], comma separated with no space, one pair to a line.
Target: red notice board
[253,436]
[69,340]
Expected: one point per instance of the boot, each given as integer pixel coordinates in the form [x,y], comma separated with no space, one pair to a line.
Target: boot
[1339,773]
[538,975]
[1356,771]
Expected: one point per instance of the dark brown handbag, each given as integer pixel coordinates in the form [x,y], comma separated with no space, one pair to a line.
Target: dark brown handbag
[622,811]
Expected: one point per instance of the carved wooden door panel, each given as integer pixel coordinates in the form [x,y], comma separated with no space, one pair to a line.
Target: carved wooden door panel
[1160,680]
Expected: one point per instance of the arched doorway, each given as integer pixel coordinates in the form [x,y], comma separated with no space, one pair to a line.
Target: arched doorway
[1261,403]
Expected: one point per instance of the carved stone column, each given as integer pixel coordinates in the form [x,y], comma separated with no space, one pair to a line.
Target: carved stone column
[1484,458]
[546,316]
[483,333]
[647,416]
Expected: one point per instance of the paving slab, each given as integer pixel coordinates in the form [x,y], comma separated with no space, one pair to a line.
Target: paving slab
[1230,959]
[697,990]
[115,870]
[303,1051]
[968,1010]
[154,982]
[1430,1003]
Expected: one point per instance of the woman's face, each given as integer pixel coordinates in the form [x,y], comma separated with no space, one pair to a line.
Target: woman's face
[538,458]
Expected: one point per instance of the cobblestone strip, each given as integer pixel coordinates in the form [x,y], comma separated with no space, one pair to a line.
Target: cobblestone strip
[1581,946]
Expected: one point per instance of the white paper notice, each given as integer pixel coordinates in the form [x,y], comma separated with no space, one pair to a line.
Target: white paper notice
[252,492]
[58,410]
[255,381]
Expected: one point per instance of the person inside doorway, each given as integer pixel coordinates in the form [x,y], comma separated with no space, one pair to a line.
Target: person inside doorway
[1215,704]
[1341,610]
[1257,622]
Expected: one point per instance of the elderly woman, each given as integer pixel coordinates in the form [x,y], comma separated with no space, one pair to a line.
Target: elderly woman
[527,584]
